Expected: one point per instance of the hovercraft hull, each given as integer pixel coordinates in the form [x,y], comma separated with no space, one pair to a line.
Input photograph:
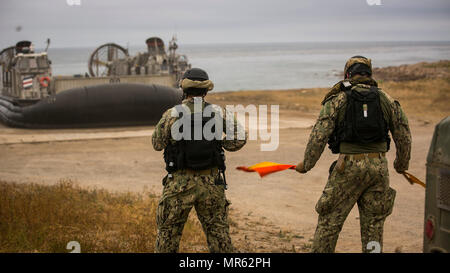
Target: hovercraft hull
[107,105]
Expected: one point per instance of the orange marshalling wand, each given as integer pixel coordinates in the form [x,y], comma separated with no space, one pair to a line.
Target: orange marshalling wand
[413,180]
[265,168]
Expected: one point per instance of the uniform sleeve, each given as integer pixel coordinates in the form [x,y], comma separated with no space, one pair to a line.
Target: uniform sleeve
[162,134]
[322,130]
[401,135]
[235,134]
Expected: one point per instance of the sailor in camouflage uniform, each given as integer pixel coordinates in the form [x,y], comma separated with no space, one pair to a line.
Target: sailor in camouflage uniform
[360,175]
[192,181]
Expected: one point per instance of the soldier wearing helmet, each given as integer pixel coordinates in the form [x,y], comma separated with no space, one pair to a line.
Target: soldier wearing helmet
[195,166]
[355,119]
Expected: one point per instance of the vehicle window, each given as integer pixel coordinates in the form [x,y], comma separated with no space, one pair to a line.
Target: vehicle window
[42,62]
[23,64]
[6,79]
[33,63]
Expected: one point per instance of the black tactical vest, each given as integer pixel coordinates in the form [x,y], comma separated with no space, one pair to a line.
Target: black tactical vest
[363,122]
[195,154]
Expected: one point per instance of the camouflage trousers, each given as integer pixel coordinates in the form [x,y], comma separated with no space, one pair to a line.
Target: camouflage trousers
[182,192]
[365,182]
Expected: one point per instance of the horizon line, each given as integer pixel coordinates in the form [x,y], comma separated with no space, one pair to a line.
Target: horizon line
[254,43]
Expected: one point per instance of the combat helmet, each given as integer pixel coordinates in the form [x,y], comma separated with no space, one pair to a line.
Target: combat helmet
[196,74]
[358,64]
[195,81]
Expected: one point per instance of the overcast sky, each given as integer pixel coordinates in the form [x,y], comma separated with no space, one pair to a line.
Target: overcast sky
[221,21]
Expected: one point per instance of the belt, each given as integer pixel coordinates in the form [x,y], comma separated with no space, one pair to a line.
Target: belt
[363,156]
[340,164]
[201,172]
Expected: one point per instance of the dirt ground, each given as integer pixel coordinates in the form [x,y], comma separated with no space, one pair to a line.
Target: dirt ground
[271,214]
[274,214]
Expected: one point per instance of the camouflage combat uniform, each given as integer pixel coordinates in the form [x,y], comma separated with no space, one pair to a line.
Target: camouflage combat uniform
[188,188]
[364,180]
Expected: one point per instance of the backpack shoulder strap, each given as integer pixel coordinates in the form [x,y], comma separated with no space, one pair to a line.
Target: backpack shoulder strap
[374,88]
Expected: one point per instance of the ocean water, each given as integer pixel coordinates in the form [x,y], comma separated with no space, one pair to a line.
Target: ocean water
[234,67]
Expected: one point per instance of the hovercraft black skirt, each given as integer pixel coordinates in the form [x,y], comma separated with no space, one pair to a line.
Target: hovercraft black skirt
[107,105]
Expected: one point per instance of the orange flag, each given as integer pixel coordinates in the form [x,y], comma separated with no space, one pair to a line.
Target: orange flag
[265,168]
[413,180]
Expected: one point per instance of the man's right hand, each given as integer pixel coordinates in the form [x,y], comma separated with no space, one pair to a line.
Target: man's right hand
[300,168]
[399,169]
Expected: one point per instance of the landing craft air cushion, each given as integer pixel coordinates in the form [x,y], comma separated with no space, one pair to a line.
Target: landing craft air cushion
[120,90]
